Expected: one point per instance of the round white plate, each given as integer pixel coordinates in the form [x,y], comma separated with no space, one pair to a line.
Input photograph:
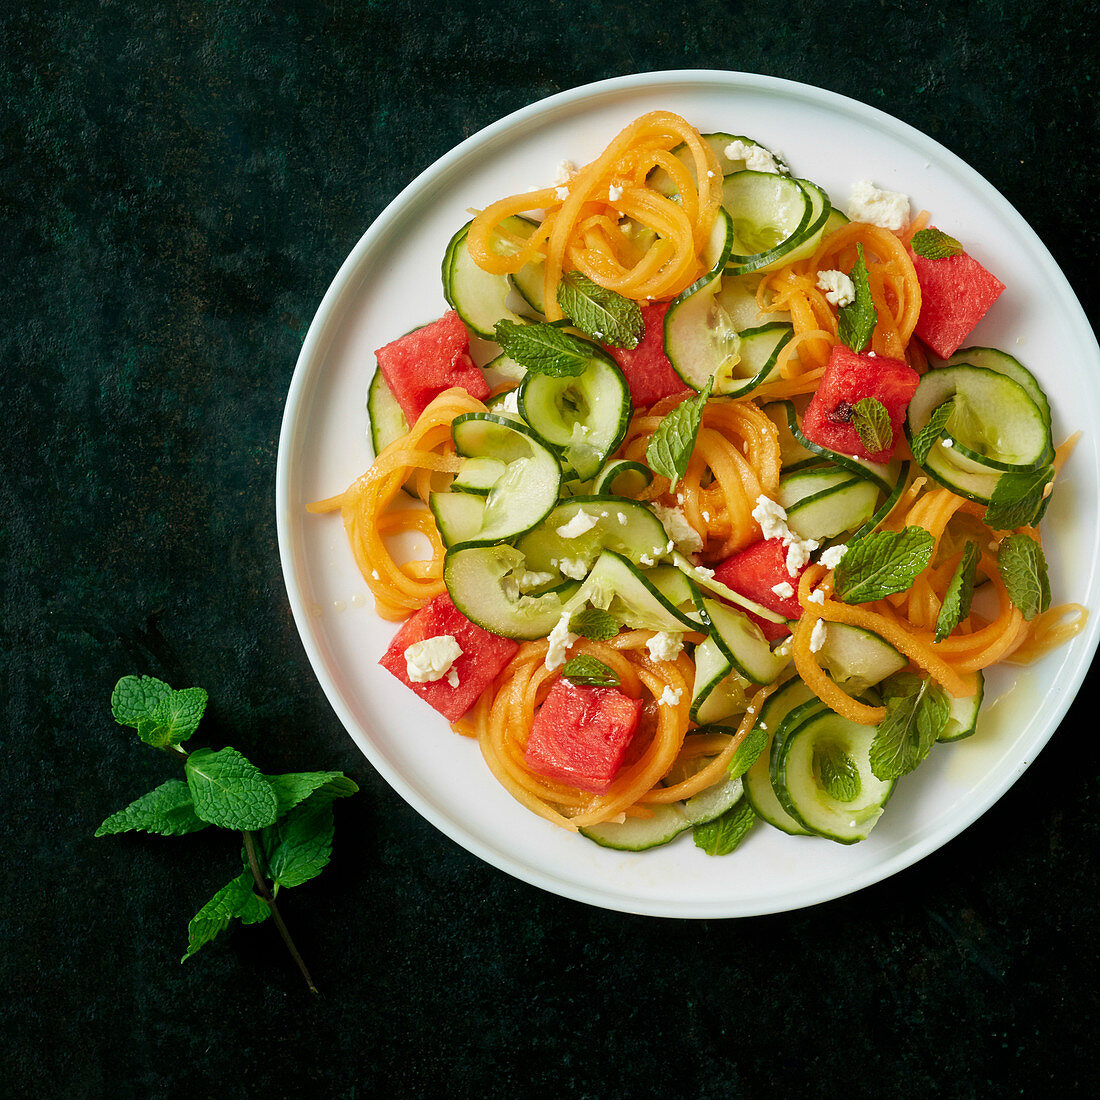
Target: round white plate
[390,283]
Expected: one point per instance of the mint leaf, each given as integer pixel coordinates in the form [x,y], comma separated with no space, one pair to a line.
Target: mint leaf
[174,718]
[935,244]
[544,348]
[601,313]
[1023,568]
[298,846]
[167,810]
[595,624]
[295,787]
[959,594]
[591,672]
[936,426]
[916,711]
[881,564]
[236,900]
[838,772]
[670,446]
[134,698]
[229,791]
[1017,498]
[748,752]
[856,321]
[724,834]
[872,424]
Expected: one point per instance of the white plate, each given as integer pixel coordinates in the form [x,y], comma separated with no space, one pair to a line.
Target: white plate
[390,283]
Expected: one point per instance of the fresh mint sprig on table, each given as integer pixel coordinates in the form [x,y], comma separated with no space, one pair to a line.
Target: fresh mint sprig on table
[604,314]
[856,321]
[286,820]
[670,446]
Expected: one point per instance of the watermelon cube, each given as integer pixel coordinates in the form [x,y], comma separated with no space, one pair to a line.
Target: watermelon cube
[483,656]
[849,378]
[646,368]
[580,735]
[423,363]
[755,572]
[956,292]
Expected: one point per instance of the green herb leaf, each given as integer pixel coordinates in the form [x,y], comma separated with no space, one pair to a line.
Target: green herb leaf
[935,244]
[959,594]
[872,424]
[235,901]
[160,715]
[595,624]
[856,321]
[724,834]
[838,772]
[229,791]
[936,426]
[670,446]
[1023,568]
[881,564]
[544,348]
[134,698]
[601,313]
[298,846]
[591,672]
[167,810]
[295,787]
[1017,498]
[916,711]
[748,752]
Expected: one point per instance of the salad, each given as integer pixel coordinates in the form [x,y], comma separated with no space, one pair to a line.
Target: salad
[729,522]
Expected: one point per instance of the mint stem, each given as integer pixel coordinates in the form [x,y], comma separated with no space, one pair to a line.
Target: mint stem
[265,893]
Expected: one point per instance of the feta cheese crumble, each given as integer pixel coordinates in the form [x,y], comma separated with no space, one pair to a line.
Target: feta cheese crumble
[670,696]
[817,636]
[564,172]
[665,646]
[831,558]
[614,193]
[816,596]
[676,526]
[581,522]
[783,590]
[510,401]
[574,568]
[756,157]
[772,518]
[886,209]
[562,193]
[533,579]
[839,288]
[431,659]
[560,639]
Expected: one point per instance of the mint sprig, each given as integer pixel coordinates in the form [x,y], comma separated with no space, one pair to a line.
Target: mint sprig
[671,445]
[916,712]
[748,752]
[724,834]
[285,820]
[959,594]
[838,772]
[856,321]
[1023,568]
[544,348]
[590,672]
[1017,498]
[872,424]
[595,624]
[924,440]
[935,244]
[881,564]
[601,313]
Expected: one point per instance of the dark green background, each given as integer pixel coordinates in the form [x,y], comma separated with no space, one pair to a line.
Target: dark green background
[180,182]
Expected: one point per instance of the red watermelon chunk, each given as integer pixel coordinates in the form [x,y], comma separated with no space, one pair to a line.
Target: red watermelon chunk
[648,372]
[849,378]
[483,656]
[955,294]
[580,735]
[754,572]
[423,363]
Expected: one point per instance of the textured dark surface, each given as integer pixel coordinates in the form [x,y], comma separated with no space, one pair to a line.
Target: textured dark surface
[180,182]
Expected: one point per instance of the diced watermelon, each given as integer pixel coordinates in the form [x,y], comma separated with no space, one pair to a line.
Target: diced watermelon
[423,363]
[648,372]
[483,656]
[754,572]
[580,735]
[849,378]
[955,294]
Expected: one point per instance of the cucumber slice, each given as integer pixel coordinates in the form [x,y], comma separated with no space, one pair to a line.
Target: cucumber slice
[791,452]
[719,691]
[886,507]
[836,220]
[737,298]
[770,214]
[502,369]
[483,582]
[387,421]
[661,181]
[713,801]
[758,781]
[740,641]
[477,296]
[719,589]
[623,478]
[963,720]
[1002,363]
[856,658]
[814,230]
[995,424]
[638,535]
[815,743]
[636,834]
[679,589]
[478,475]
[804,483]
[834,511]
[584,418]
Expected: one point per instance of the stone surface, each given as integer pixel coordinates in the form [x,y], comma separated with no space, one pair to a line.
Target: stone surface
[180,181]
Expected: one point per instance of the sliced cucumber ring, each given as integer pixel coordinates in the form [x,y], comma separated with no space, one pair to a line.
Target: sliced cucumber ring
[623,478]
[834,511]
[742,644]
[856,658]
[963,719]
[637,834]
[770,214]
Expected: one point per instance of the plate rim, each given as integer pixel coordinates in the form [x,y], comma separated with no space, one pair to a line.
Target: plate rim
[328,314]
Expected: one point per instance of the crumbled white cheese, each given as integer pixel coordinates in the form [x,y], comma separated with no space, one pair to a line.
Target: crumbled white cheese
[452,677]
[886,209]
[431,659]
[533,579]
[831,558]
[783,590]
[772,518]
[560,640]
[562,193]
[816,596]
[564,172]
[581,522]
[622,518]
[614,193]
[574,568]
[670,696]
[374,574]
[783,650]
[756,157]
[676,526]
[510,401]
[665,646]
[704,572]
[948,442]
[839,288]
[817,635]
[706,516]
[645,559]
[798,553]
